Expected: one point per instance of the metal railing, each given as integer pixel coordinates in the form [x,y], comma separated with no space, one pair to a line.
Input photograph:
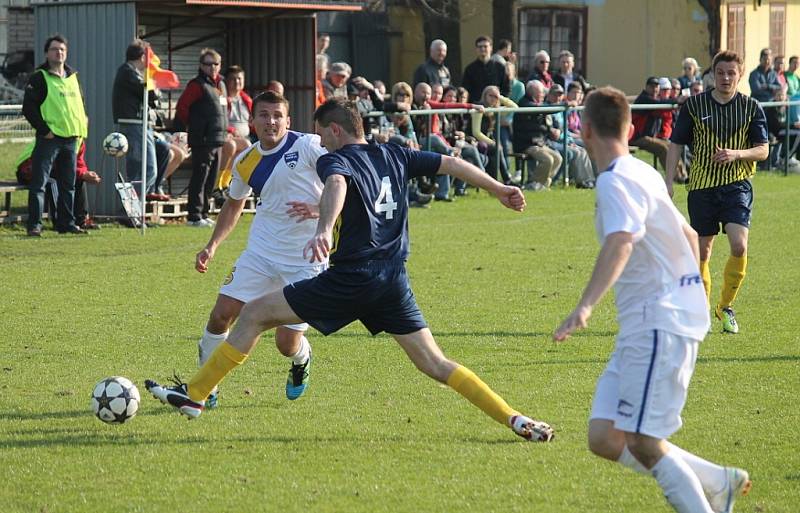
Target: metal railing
[13,126]
[565,110]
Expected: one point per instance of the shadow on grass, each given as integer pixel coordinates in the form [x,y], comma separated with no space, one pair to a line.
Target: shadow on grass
[530,334]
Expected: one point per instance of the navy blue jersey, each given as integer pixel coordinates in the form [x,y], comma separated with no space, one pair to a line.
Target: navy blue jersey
[373,224]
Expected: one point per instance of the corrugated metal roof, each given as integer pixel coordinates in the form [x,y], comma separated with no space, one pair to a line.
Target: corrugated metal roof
[315,5]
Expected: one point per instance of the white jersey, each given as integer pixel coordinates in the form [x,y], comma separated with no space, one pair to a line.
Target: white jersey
[285,173]
[660,287]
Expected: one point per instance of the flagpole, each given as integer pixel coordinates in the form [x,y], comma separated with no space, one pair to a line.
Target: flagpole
[144,140]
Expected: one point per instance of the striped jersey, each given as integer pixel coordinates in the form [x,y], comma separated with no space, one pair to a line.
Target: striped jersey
[707,125]
[285,173]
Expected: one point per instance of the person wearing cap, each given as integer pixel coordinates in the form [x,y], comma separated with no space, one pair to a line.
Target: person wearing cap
[647,123]
[335,84]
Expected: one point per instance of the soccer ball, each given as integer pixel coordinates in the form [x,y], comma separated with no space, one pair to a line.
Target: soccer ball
[115,400]
[115,144]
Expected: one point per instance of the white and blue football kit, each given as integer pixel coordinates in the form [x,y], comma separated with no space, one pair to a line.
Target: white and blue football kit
[274,253]
[662,306]
[367,279]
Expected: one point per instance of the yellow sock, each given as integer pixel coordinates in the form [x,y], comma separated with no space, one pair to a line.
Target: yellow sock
[466,383]
[224,178]
[705,273]
[224,359]
[734,276]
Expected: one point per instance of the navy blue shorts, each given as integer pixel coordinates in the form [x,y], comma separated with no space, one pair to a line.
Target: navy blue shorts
[377,293]
[715,206]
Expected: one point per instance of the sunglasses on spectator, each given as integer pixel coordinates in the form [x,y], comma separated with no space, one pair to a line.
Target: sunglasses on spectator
[211,64]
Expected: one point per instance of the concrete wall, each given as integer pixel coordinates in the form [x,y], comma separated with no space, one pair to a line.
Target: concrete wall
[407,51]
[20,29]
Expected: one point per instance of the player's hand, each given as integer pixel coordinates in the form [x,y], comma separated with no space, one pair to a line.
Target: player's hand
[302,211]
[478,107]
[318,248]
[578,319]
[202,260]
[512,197]
[723,156]
[50,135]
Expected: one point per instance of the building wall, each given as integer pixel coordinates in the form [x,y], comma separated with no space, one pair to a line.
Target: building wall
[756,26]
[477,19]
[20,29]
[407,51]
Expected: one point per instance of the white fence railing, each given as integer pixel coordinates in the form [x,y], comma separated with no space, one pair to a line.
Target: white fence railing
[13,126]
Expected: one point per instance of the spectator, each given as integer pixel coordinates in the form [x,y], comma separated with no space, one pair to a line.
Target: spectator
[322,71]
[503,53]
[690,73]
[778,66]
[436,92]
[240,107]
[454,132]
[126,103]
[647,123]
[763,80]
[335,85]
[380,88]
[430,137]
[794,135]
[566,72]
[580,166]
[83,175]
[665,93]
[541,69]
[323,43]
[575,99]
[531,132]
[792,79]
[368,100]
[484,126]
[275,86]
[59,120]
[171,151]
[433,71]
[696,88]
[483,71]
[708,79]
[202,108]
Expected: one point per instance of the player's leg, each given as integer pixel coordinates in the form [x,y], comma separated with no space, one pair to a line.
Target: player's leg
[222,317]
[706,243]
[423,351]
[292,343]
[704,218]
[733,276]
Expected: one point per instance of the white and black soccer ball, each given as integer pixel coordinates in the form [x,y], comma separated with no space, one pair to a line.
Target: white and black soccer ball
[115,400]
[115,144]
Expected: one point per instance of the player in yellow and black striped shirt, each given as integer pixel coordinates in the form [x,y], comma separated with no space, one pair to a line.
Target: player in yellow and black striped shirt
[727,132]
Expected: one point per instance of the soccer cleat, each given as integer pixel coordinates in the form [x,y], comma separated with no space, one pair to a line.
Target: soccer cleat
[531,430]
[298,379]
[212,401]
[737,483]
[177,397]
[728,318]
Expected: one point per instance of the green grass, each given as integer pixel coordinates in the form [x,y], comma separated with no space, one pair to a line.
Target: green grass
[372,433]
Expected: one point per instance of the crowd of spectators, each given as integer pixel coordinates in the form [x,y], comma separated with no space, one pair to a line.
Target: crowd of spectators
[213,119]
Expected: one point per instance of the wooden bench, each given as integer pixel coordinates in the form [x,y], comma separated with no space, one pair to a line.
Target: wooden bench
[177,208]
[7,189]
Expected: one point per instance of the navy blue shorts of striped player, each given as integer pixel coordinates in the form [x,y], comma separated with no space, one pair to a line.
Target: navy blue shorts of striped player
[729,203]
[375,292]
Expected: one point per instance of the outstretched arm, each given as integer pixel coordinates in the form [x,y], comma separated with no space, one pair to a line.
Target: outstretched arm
[674,154]
[226,222]
[330,206]
[610,263]
[511,197]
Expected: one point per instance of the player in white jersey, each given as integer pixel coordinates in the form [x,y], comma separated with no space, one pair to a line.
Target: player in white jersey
[281,166]
[651,256]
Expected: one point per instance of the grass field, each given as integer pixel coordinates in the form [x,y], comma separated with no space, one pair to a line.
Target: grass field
[373,434]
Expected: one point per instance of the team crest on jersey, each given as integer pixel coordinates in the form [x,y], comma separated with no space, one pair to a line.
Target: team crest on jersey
[291,159]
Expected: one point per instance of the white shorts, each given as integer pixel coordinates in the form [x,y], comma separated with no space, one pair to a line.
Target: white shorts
[643,388]
[253,276]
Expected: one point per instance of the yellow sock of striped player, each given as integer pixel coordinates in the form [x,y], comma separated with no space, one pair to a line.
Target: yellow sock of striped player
[733,278]
[224,359]
[466,383]
[705,273]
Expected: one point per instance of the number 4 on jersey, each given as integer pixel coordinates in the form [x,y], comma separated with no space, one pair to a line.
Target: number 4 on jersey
[385,201]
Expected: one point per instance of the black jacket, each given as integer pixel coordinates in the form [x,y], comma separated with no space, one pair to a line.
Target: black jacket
[478,75]
[576,77]
[432,73]
[126,95]
[35,95]
[208,117]
[530,128]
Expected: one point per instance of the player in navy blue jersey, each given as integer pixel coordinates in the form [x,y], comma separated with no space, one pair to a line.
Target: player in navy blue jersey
[363,229]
